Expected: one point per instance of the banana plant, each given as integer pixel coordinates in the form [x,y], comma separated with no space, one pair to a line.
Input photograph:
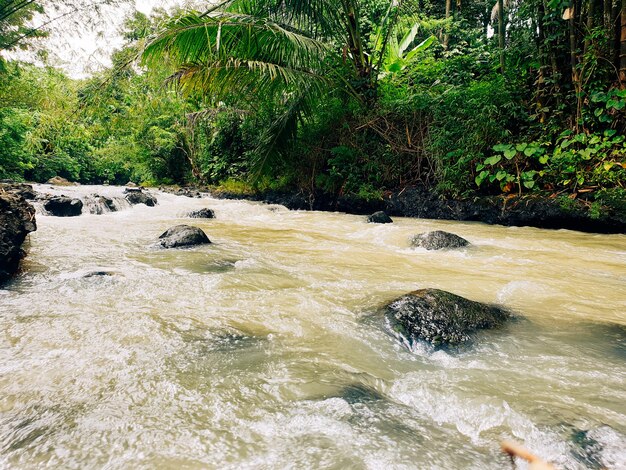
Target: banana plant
[397,55]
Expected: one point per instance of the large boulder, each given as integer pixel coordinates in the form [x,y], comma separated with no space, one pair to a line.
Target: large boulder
[438,240]
[441,318]
[21,189]
[63,206]
[138,196]
[17,219]
[58,181]
[202,214]
[183,235]
[379,217]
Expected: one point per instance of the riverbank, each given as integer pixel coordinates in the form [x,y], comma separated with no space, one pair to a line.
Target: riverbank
[533,211]
[17,220]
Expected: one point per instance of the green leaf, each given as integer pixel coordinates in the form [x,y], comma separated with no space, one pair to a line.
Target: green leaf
[493,160]
[509,154]
[521,147]
[544,159]
[501,175]
[502,147]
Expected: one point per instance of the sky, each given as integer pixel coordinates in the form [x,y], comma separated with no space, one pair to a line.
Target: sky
[79,48]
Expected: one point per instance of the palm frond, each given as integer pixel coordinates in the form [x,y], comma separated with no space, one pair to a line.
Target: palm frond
[228,50]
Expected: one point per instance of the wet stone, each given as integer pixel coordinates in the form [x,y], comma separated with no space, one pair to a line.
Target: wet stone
[62,206]
[438,240]
[202,214]
[183,235]
[379,217]
[440,318]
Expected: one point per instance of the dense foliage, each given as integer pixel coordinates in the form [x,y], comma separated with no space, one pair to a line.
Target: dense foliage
[346,97]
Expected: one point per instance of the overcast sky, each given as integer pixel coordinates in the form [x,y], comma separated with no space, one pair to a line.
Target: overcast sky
[80,49]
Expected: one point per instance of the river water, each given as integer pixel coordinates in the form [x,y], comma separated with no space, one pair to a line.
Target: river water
[266,349]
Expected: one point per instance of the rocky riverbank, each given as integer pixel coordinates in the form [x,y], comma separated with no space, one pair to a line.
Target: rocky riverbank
[17,220]
[533,211]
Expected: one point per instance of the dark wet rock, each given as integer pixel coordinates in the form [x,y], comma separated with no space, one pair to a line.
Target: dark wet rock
[17,219]
[360,393]
[586,449]
[21,189]
[202,214]
[379,217]
[441,318]
[98,274]
[438,240]
[100,204]
[191,192]
[138,196]
[58,181]
[62,206]
[418,201]
[183,235]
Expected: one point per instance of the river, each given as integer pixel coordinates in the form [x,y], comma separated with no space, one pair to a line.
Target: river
[266,349]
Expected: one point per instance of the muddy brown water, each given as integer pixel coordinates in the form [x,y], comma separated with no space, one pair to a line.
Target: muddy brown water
[265,349]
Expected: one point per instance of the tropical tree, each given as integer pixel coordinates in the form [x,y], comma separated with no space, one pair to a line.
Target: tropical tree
[290,54]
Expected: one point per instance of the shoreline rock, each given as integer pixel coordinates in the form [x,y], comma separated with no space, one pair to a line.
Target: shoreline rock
[17,220]
[419,202]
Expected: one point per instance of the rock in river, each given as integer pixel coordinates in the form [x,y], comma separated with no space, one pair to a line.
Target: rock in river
[20,189]
[138,196]
[62,206]
[438,240]
[441,318]
[202,214]
[58,181]
[379,217]
[17,219]
[183,235]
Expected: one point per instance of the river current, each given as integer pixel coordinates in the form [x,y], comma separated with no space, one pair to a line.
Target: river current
[266,349]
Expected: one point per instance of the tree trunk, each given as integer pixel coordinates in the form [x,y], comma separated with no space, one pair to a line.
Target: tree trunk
[446,37]
[572,41]
[622,53]
[501,33]
[616,28]
[590,24]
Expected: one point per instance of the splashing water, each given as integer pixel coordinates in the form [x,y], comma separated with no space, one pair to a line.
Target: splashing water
[265,349]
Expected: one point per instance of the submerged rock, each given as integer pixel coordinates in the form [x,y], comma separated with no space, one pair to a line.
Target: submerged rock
[62,206]
[441,318]
[98,274]
[183,235]
[438,240]
[379,217]
[138,196]
[202,214]
[17,219]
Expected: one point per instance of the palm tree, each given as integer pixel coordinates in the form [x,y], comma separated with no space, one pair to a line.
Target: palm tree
[292,52]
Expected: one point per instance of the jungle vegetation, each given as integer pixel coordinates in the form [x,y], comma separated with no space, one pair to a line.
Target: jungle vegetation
[357,97]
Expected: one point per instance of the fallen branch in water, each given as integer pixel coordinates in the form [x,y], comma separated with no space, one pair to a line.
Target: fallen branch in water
[516,450]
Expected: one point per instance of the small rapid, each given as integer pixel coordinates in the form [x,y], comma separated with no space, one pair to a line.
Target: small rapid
[266,348]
